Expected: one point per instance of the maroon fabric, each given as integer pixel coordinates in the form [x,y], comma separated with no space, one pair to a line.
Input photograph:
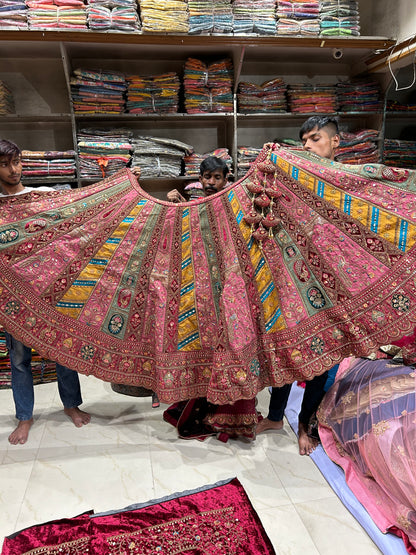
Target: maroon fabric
[218,520]
[198,419]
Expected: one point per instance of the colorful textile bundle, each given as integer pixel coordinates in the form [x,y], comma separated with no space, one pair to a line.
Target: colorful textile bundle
[153,94]
[400,153]
[117,15]
[339,17]
[6,100]
[48,163]
[13,15]
[270,97]
[305,98]
[194,190]
[359,96]
[246,155]
[164,16]
[57,14]
[208,88]
[210,16]
[193,161]
[98,92]
[254,16]
[298,18]
[159,157]
[304,27]
[103,153]
[358,148]
[396,106]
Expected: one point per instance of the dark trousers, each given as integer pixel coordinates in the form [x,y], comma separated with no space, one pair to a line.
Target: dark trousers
[313,395]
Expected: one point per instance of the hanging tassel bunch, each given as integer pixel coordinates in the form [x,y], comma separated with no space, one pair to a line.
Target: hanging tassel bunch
[261,216]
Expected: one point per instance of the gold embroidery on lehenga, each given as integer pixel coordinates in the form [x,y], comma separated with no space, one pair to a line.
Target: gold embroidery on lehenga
[381,427]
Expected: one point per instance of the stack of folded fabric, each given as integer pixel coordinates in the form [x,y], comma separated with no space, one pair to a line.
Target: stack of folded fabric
[13,15]
[270,97]
[117,15]
[296,17]
[210,16]
[254,16]
[57,14]
[339,17]
[359,147]
[401,154]
[193,160]
[245,157]
[208,88]
[98,92]
[6,100]
[359,96]
[223,17]
[102,153]
[49,163]
[306,98]
[396,106]
[153,94]
[159,157]
[164,16]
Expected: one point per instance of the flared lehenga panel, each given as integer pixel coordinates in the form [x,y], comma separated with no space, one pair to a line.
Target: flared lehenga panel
[277,278]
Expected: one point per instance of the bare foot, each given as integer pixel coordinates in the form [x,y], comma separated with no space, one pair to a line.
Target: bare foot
[21,433]
[78,417]
[306,444]
[266,424]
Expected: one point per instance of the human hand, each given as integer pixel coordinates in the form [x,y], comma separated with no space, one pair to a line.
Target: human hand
[175,196]
[136,171]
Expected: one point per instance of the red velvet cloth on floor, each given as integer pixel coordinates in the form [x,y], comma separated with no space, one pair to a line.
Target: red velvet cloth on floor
[215,520]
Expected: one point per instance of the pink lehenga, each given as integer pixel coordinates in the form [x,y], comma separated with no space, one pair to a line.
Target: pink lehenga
[272,280]
[367,425]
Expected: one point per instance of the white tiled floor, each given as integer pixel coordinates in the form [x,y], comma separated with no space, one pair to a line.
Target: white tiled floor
[128,454]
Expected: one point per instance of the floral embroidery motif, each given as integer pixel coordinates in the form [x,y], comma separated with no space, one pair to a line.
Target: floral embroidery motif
[35,225]
[87,352]
[12,308]
[400,302]
[317,345]
[9,235]
[316,298]
[380,427]
[255,367]
[116,324]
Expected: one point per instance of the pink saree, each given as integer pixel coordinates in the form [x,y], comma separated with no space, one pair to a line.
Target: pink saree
[272,280]
[367,426]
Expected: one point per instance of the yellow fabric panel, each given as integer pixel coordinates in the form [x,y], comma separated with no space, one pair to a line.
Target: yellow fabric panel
[188,325]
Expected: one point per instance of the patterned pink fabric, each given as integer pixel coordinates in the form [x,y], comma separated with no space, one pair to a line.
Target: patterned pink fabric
[193,300]
[367,426]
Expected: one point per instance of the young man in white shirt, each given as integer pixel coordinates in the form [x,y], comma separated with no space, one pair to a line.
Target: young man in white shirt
[21,355]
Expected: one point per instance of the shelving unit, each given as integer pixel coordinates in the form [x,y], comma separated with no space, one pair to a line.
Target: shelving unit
[37,67]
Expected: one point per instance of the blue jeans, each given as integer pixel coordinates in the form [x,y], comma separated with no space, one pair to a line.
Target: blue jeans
[22,380]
